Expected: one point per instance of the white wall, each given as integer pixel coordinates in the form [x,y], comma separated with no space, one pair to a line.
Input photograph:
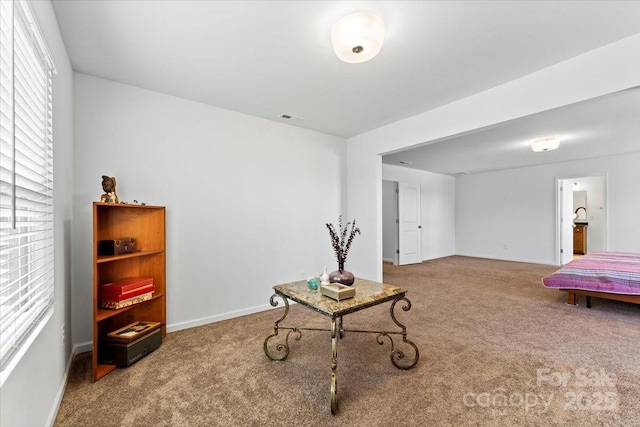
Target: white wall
[609,69]
[437,207]
[247,199]
[512,214]
[31,394]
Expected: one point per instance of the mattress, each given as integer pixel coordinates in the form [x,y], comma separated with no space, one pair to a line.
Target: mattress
[611,272]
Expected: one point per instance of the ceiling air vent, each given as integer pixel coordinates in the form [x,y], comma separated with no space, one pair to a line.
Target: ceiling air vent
[291,117]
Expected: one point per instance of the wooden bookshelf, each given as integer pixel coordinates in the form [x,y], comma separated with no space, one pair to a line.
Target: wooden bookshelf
[147,225]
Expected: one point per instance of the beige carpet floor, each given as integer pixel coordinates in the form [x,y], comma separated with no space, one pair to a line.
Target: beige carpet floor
[497,348]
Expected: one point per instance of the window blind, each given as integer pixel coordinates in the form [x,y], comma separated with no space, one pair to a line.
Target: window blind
[26,182]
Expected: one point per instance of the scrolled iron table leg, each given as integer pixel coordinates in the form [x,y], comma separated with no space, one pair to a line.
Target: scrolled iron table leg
[334,366]
[281,350]
[398,356]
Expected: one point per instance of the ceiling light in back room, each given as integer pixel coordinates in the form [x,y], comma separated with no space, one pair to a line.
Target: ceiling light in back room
[357,37]
[404,162]
[545,144]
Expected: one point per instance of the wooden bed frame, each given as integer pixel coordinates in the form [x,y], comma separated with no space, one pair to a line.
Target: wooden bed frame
[571,297]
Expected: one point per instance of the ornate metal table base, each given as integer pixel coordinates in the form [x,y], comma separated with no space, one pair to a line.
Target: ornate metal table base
[279,349]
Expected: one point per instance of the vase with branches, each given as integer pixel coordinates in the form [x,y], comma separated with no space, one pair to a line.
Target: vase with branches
[341,240]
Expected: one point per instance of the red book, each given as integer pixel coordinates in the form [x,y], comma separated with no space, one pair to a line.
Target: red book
[124,286]
[117,297]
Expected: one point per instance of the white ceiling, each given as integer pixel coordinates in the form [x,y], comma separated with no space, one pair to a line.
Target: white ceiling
[598,127]
[266,58]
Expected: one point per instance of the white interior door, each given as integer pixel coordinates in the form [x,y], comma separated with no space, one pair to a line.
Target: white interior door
[566,221]
[409,227]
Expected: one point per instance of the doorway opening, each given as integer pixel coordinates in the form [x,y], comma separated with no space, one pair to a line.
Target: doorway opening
[581,217]
[401,223]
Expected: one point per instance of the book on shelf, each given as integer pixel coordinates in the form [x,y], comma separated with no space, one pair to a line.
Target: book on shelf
[122,286]
[115,305]
[110,295]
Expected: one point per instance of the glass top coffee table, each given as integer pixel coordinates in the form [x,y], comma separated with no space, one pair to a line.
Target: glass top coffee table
[368,294]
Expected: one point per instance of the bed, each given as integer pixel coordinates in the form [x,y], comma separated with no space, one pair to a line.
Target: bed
[608,275]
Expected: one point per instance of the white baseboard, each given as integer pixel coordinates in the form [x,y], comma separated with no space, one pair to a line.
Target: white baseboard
[82,347]
[61,389]
[530,261]
[217,318]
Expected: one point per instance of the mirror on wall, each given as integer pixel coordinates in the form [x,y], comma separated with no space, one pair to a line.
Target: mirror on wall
[580,205]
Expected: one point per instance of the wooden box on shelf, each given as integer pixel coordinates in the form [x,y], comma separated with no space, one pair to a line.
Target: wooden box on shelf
[132,331]
[125,354]
[147,225]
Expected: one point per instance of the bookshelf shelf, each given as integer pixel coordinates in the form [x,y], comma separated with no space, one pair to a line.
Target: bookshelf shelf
[110,258]
[104,313]
[147,225]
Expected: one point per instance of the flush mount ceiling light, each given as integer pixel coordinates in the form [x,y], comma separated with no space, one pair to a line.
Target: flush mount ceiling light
[357,37]
[545,144]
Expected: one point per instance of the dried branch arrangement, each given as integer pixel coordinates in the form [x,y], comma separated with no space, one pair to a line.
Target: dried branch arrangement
[341,240]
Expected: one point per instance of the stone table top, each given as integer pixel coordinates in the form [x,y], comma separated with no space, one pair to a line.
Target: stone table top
[368,293]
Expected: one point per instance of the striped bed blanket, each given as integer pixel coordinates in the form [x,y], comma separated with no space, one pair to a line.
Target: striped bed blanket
[610,272]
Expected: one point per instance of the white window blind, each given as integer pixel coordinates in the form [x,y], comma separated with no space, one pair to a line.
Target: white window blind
[26,182]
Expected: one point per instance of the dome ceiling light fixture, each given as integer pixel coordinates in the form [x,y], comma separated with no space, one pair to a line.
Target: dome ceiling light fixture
[545,144]
[357,37]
